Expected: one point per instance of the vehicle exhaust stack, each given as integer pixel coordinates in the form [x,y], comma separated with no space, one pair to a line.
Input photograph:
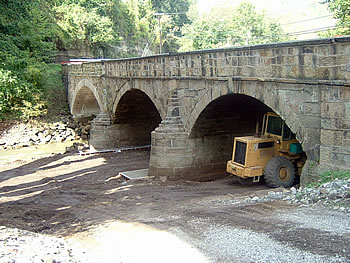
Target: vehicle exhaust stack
[257,134]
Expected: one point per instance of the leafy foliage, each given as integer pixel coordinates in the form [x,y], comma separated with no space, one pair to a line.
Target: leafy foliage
[32,31]
[341,10]
[83,26]
[173,19]
[226,26]
[27,44]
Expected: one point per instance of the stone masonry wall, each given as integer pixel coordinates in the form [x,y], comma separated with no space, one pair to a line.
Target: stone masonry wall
[307,83]
[335,128]
[306,60]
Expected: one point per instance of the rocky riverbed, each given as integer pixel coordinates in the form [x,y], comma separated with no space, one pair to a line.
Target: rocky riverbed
[19,135]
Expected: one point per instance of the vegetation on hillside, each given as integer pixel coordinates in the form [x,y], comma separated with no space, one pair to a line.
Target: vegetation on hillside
[28,32]
[32,31]
[227,26]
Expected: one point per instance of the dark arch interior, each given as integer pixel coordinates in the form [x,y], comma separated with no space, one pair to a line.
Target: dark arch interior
[232,114]
[213,132]
[135,118]
[85,103]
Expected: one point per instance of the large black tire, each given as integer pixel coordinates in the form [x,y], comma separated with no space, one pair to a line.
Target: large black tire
[279,171]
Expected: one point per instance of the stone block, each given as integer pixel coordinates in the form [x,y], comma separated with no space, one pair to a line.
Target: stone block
[201,160]
[311,108]
[166,172]
[347,110]
[332,137]
[180,142]
[322,73]
[345,93]
[152,171]
[309,72]
[341,159]
[176,151]
[183,172]
[161,143]
[330,94]
[325,154]
[331,123]
[313,122]
[157,150]
[332,110]
[327,60]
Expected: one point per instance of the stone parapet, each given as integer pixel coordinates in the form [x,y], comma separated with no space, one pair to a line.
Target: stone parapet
[326,59]
[306,82]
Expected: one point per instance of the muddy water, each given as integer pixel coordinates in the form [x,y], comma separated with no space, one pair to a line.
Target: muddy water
[33,152]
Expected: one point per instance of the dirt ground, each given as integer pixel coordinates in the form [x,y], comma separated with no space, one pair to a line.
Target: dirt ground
[83,199]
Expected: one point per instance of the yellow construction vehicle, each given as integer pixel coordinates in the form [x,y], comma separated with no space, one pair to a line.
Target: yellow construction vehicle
[276,155]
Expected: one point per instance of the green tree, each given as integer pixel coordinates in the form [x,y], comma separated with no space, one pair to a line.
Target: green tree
[174,18]
[226,26]
[341,11]
[27,45]
[84,26]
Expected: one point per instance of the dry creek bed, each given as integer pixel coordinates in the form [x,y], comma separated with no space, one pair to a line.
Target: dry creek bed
[71,208]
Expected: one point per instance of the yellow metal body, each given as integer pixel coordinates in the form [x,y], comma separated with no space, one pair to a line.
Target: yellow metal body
[259,151]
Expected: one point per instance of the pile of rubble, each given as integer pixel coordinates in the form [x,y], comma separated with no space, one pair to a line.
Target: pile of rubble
[36,133]
[335,194]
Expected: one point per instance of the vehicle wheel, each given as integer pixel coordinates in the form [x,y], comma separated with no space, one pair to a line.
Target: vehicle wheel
[279,171]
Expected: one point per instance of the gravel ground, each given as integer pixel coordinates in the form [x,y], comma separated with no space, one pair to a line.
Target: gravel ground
[228,243]
[23,246]
[254,247]
[71,208]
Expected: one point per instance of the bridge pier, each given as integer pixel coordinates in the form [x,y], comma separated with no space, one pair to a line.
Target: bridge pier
[171,154]
[101,134]
[306,83]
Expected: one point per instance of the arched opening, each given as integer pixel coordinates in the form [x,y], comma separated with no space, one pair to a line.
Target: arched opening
[213,133]
[85,104]
[134,119]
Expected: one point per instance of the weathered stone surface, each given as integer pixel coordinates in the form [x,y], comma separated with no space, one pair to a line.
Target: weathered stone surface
[307,83]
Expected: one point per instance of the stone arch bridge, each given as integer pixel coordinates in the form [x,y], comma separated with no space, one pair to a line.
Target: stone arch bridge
[190,106]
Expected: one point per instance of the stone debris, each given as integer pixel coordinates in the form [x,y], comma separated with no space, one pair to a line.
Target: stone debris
[335,195]
[36,133]
[23,246]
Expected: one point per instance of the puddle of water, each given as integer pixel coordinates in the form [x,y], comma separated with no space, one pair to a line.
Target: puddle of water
[33,152]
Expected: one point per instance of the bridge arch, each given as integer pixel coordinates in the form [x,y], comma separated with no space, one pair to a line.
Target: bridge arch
[86,100]
[266,94]
[223,113]
[134,118]
[147,91]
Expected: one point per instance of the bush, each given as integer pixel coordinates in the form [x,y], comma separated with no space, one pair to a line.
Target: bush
[13,91]
[329,177]
[39,93]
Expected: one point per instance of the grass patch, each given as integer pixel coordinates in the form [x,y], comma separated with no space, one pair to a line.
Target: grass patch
[329,177]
